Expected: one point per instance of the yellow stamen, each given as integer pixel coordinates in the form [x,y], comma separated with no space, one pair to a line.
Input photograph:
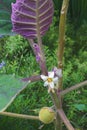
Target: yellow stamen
[49,80]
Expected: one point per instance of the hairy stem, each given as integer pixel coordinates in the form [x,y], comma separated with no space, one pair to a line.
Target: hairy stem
[62,36]
[62,23]
[31,43]
[42,57]
[58,105]
[19,115]
[57,125]
[65,119]
[73,87]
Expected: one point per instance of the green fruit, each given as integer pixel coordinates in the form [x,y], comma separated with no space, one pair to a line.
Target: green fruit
[46,115]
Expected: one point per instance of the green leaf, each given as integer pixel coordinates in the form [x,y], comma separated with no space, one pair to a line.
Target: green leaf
[5,17]
[80,107]
[10,87]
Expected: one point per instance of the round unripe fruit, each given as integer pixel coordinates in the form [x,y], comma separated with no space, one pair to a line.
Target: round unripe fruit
[46,115]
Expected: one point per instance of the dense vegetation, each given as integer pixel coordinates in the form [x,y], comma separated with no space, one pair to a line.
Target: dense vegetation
[20,60]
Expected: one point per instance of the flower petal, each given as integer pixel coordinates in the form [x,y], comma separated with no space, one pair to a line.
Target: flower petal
[51,85]
[59,73]
[55,80]
[46,83]
[43,77]
[51,74]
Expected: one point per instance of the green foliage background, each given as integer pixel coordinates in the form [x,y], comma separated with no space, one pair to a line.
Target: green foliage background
[19,58]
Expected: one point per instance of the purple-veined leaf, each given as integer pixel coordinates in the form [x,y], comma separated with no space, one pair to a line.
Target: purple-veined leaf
[30,16]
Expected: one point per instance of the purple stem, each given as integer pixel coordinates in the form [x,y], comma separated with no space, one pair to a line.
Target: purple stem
[32,78]
[39,56]
[84,83]
[65,119]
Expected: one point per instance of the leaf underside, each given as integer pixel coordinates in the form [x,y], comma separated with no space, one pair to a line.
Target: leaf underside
[10,87]
[29,16]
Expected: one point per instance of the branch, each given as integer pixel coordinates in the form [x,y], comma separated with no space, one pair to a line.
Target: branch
[62,24]
[74,87]
[65,119]
[62,36]
[19,115]
[57,105]
[32,78]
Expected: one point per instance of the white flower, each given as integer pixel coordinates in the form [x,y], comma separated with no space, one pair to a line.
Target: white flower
[49,80]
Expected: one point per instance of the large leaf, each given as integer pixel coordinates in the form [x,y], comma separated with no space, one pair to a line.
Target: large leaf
[5,17]
[10,87]
[30,17]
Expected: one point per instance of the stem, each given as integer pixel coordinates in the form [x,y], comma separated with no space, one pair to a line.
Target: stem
[19,115]
[58,104]
[32,78]
[56,99]
[65,119]
[31,43]
[58,125]
[42,57]
[74,87]
[62,37]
